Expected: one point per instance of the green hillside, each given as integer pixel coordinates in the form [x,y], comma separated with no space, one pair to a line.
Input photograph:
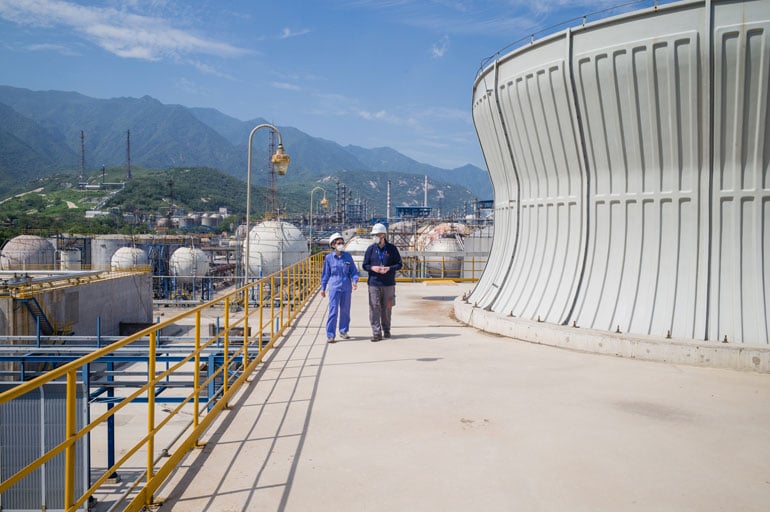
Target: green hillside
[58,203]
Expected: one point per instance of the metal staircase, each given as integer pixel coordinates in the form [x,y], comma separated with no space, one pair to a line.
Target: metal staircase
[34,307]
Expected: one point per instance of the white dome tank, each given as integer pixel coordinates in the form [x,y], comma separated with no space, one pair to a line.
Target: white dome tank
[437,265]
[27,252]
[187,264]
[274,245]
[128,258]
[103,247]
[356,246]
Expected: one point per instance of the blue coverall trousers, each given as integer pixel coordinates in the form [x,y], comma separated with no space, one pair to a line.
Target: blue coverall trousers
[339,306]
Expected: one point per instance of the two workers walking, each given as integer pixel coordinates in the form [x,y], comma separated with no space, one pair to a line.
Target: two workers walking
[340,275]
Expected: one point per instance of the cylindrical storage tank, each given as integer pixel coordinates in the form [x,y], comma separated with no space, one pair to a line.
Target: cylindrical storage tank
[103,247]
[69,259]
[187,264]
[439,265]
[195,219]
[356,246]
[274,245]
[240,232]
[128,258]
[28,252]
[210,220]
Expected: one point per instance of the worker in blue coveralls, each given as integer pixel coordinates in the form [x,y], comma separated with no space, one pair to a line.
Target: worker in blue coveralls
[382,260]
[341,276]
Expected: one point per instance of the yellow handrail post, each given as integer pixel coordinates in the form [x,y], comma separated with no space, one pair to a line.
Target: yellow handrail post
[280,307]
[151,415]
[261,320]
[226,372]
[272,306]
[69,453]
[246,328]
[197,371]
[292,289]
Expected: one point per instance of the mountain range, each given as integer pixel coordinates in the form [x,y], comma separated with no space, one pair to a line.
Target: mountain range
[40,134]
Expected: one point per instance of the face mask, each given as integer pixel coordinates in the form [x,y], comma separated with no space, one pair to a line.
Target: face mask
[339,247]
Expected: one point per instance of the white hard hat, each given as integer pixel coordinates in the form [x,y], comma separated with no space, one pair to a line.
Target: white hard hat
[379,228]
[335,236]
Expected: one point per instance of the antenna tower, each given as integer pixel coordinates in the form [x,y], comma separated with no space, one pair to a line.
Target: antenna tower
[128,153]
[82,155]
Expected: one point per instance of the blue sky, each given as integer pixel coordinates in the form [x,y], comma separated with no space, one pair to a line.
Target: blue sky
[394,73]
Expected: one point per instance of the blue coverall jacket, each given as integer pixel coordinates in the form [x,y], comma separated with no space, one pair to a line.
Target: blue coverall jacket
[339,273]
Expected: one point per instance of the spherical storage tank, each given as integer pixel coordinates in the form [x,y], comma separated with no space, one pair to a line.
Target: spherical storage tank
[357,246]
[274,245]
[128,258]
[438,265]
[188,264]
[104,246]
[27,252]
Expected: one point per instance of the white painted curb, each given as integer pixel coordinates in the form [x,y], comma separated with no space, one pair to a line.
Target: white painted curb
[734,356]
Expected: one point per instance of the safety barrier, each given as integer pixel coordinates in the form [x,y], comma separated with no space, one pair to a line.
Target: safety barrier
[218,365]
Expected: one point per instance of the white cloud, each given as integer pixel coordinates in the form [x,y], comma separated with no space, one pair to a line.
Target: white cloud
[287,33]
[372,115]
[191,87]
[440,47]
[61,49]
[210,70]
[286,86]
[119,32]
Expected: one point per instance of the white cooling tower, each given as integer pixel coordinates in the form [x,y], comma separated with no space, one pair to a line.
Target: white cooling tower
[629,159]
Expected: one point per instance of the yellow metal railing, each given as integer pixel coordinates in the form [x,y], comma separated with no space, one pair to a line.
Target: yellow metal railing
[278,298]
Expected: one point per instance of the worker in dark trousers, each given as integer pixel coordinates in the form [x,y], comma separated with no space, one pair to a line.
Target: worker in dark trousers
[382,260]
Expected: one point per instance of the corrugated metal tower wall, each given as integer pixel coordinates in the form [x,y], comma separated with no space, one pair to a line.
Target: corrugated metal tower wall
[630,160]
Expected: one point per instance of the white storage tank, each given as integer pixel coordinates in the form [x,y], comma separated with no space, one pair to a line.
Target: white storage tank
[440,265]
[128,258]
[104,246]
[69,259]
[274,245]
[210,220]
[27,252]
[187,264]
[356,246]
[476,251]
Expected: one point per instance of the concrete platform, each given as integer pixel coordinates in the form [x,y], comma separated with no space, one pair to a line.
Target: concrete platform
[445,417]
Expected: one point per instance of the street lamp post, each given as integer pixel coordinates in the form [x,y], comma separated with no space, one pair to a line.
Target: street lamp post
[324,203]
[281,163]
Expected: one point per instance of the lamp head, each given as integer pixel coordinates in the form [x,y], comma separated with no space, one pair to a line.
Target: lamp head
[324,202]
[280,161]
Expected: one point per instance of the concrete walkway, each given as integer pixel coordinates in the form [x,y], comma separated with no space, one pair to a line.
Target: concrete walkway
[444,417]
